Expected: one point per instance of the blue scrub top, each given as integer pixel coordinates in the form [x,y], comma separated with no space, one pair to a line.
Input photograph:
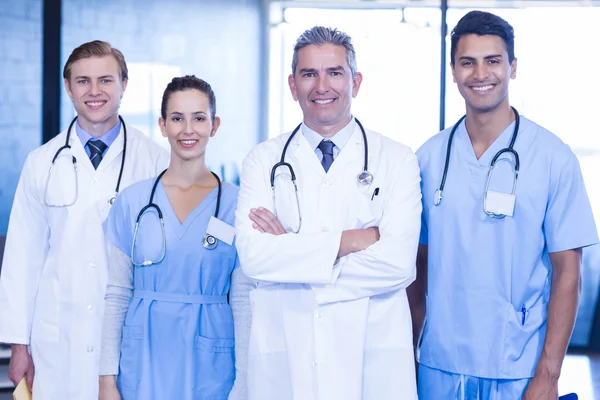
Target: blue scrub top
[177,340]
[489,279]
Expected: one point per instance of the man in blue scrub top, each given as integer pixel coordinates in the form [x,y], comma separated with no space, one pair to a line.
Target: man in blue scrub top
[500,294]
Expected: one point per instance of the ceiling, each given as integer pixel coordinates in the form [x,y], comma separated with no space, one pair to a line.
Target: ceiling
[436,3]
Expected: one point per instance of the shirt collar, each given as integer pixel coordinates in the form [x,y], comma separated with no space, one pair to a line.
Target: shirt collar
[339,139]
[108,138]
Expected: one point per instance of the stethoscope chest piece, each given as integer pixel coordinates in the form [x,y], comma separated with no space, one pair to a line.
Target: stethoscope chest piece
[209,242]
[365,178]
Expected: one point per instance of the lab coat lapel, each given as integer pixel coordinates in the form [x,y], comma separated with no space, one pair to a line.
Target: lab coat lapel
[114,152]
[303,159]
[83,160]
[350,158]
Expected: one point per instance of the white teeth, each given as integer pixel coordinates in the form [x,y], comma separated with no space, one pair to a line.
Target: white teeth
[323,101]
[95,103]
[482,88]
[188,141]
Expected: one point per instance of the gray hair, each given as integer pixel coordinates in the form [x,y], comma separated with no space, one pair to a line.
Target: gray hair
[320,35]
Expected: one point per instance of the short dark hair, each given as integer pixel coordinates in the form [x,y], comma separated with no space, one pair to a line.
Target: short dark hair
[188,82]
[483,23]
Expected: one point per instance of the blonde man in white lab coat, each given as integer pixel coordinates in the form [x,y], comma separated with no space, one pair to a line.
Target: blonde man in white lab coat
[54,269]
[330,316]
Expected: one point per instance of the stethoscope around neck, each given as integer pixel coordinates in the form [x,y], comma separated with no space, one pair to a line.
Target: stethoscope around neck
[209,242]
[364,178]
[66,146]
[437,199]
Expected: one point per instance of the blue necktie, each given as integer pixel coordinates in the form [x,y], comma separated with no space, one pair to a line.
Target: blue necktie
[96,147]
[326,146]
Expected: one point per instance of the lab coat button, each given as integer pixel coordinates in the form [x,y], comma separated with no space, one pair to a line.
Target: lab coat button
[92,265]
[326,183]
[315,364]
[94,179]
[90,307]
[90,349]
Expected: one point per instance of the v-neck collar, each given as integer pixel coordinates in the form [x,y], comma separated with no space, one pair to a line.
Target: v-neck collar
[169,212]
[485,160]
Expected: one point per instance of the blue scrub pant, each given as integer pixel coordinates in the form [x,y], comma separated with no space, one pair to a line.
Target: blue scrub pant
[435,384]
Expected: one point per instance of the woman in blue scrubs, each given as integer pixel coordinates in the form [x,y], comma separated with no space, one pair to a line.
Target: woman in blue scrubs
[168,330]
[498,266]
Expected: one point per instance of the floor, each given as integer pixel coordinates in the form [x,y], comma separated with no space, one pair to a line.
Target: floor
[581,374]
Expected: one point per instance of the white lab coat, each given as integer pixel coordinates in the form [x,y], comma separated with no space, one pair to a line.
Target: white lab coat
[324,329]
[55,264]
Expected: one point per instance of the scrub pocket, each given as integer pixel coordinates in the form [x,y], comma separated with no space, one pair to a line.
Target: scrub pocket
[130,362]
[214,365]
[523,340]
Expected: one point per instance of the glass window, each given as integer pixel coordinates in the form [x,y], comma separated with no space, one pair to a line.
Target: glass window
[398,53]
[162,40]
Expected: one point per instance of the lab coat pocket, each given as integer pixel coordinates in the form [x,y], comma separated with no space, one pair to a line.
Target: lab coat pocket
[367,210]
[524,338]
[48,312]
[130,362]
[214,368]
[267,333]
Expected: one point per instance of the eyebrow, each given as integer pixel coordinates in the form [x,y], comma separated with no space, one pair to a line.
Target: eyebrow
[100,77]
[194,113]
[313,70]
[308,70]
[485,58]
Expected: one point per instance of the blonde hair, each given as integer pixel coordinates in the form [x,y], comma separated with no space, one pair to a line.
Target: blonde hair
[96,48]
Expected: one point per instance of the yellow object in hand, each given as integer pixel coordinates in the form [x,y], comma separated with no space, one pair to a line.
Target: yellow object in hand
[22,391]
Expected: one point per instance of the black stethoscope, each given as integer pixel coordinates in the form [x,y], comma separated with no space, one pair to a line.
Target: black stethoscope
[364,178]
[111,200]
[438,193]
[209,242]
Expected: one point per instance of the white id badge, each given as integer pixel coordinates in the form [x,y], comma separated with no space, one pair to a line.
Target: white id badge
[500,203]
[221,230]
